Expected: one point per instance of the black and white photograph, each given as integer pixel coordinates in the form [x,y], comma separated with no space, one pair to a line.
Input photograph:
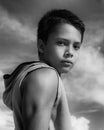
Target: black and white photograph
[51,64]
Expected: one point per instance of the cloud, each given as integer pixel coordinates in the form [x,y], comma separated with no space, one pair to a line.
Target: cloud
[6,120]
[98,95]
[1,74]
[89,111]
[14,28]
[34,9]
[80,123]
[17,41]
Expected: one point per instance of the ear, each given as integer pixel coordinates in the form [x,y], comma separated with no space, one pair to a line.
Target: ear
[41,46]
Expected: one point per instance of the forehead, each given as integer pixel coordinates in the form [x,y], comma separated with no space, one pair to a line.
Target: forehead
[66,31]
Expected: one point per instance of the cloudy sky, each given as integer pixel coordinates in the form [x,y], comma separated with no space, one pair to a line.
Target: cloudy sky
[84,84]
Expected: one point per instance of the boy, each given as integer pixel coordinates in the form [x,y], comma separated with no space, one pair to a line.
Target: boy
[34,90]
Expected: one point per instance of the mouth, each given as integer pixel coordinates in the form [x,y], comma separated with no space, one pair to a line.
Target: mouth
[67,63]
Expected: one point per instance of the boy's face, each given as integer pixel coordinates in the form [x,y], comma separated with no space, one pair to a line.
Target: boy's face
[62,48]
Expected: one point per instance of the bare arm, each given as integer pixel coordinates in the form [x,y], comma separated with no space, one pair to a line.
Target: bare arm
[40,88]
[63,118]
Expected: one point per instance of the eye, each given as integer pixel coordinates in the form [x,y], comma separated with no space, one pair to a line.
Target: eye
[60,43]
[76,46]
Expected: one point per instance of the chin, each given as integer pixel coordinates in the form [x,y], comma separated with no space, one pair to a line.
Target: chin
[65,70]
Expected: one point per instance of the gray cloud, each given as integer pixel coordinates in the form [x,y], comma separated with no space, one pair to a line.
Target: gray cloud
[13,27]
[17,41]
[6,120]
[33,9]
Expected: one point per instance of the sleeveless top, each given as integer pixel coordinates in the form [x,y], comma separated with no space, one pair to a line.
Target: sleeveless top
[12,95]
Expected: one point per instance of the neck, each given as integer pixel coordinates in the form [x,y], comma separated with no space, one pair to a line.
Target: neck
[45,61]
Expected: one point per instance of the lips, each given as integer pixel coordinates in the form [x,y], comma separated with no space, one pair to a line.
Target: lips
[67,63]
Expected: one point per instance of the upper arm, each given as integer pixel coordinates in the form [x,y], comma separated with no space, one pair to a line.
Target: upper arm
[39,93]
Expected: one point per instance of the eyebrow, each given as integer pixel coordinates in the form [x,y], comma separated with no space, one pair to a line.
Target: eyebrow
[78,43]
[67,41]
[63,39]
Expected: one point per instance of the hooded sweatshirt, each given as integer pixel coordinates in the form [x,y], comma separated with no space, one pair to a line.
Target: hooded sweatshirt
[12,95]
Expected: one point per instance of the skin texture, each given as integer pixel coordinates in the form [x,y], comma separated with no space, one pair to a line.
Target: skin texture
[63,45]
[38,98]
[60,52]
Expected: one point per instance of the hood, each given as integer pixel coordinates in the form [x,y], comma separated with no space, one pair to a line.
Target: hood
[9,80]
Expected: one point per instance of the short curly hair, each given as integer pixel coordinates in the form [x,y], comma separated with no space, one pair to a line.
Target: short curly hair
[54,17]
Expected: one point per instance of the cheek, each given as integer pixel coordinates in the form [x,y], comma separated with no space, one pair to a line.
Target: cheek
[76,55]
[60,51]
[57,52]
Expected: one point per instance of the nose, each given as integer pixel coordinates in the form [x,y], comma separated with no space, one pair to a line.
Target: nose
[69,53]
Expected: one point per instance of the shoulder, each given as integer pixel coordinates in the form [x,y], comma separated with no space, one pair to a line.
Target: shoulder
[42,77]
[41,84]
